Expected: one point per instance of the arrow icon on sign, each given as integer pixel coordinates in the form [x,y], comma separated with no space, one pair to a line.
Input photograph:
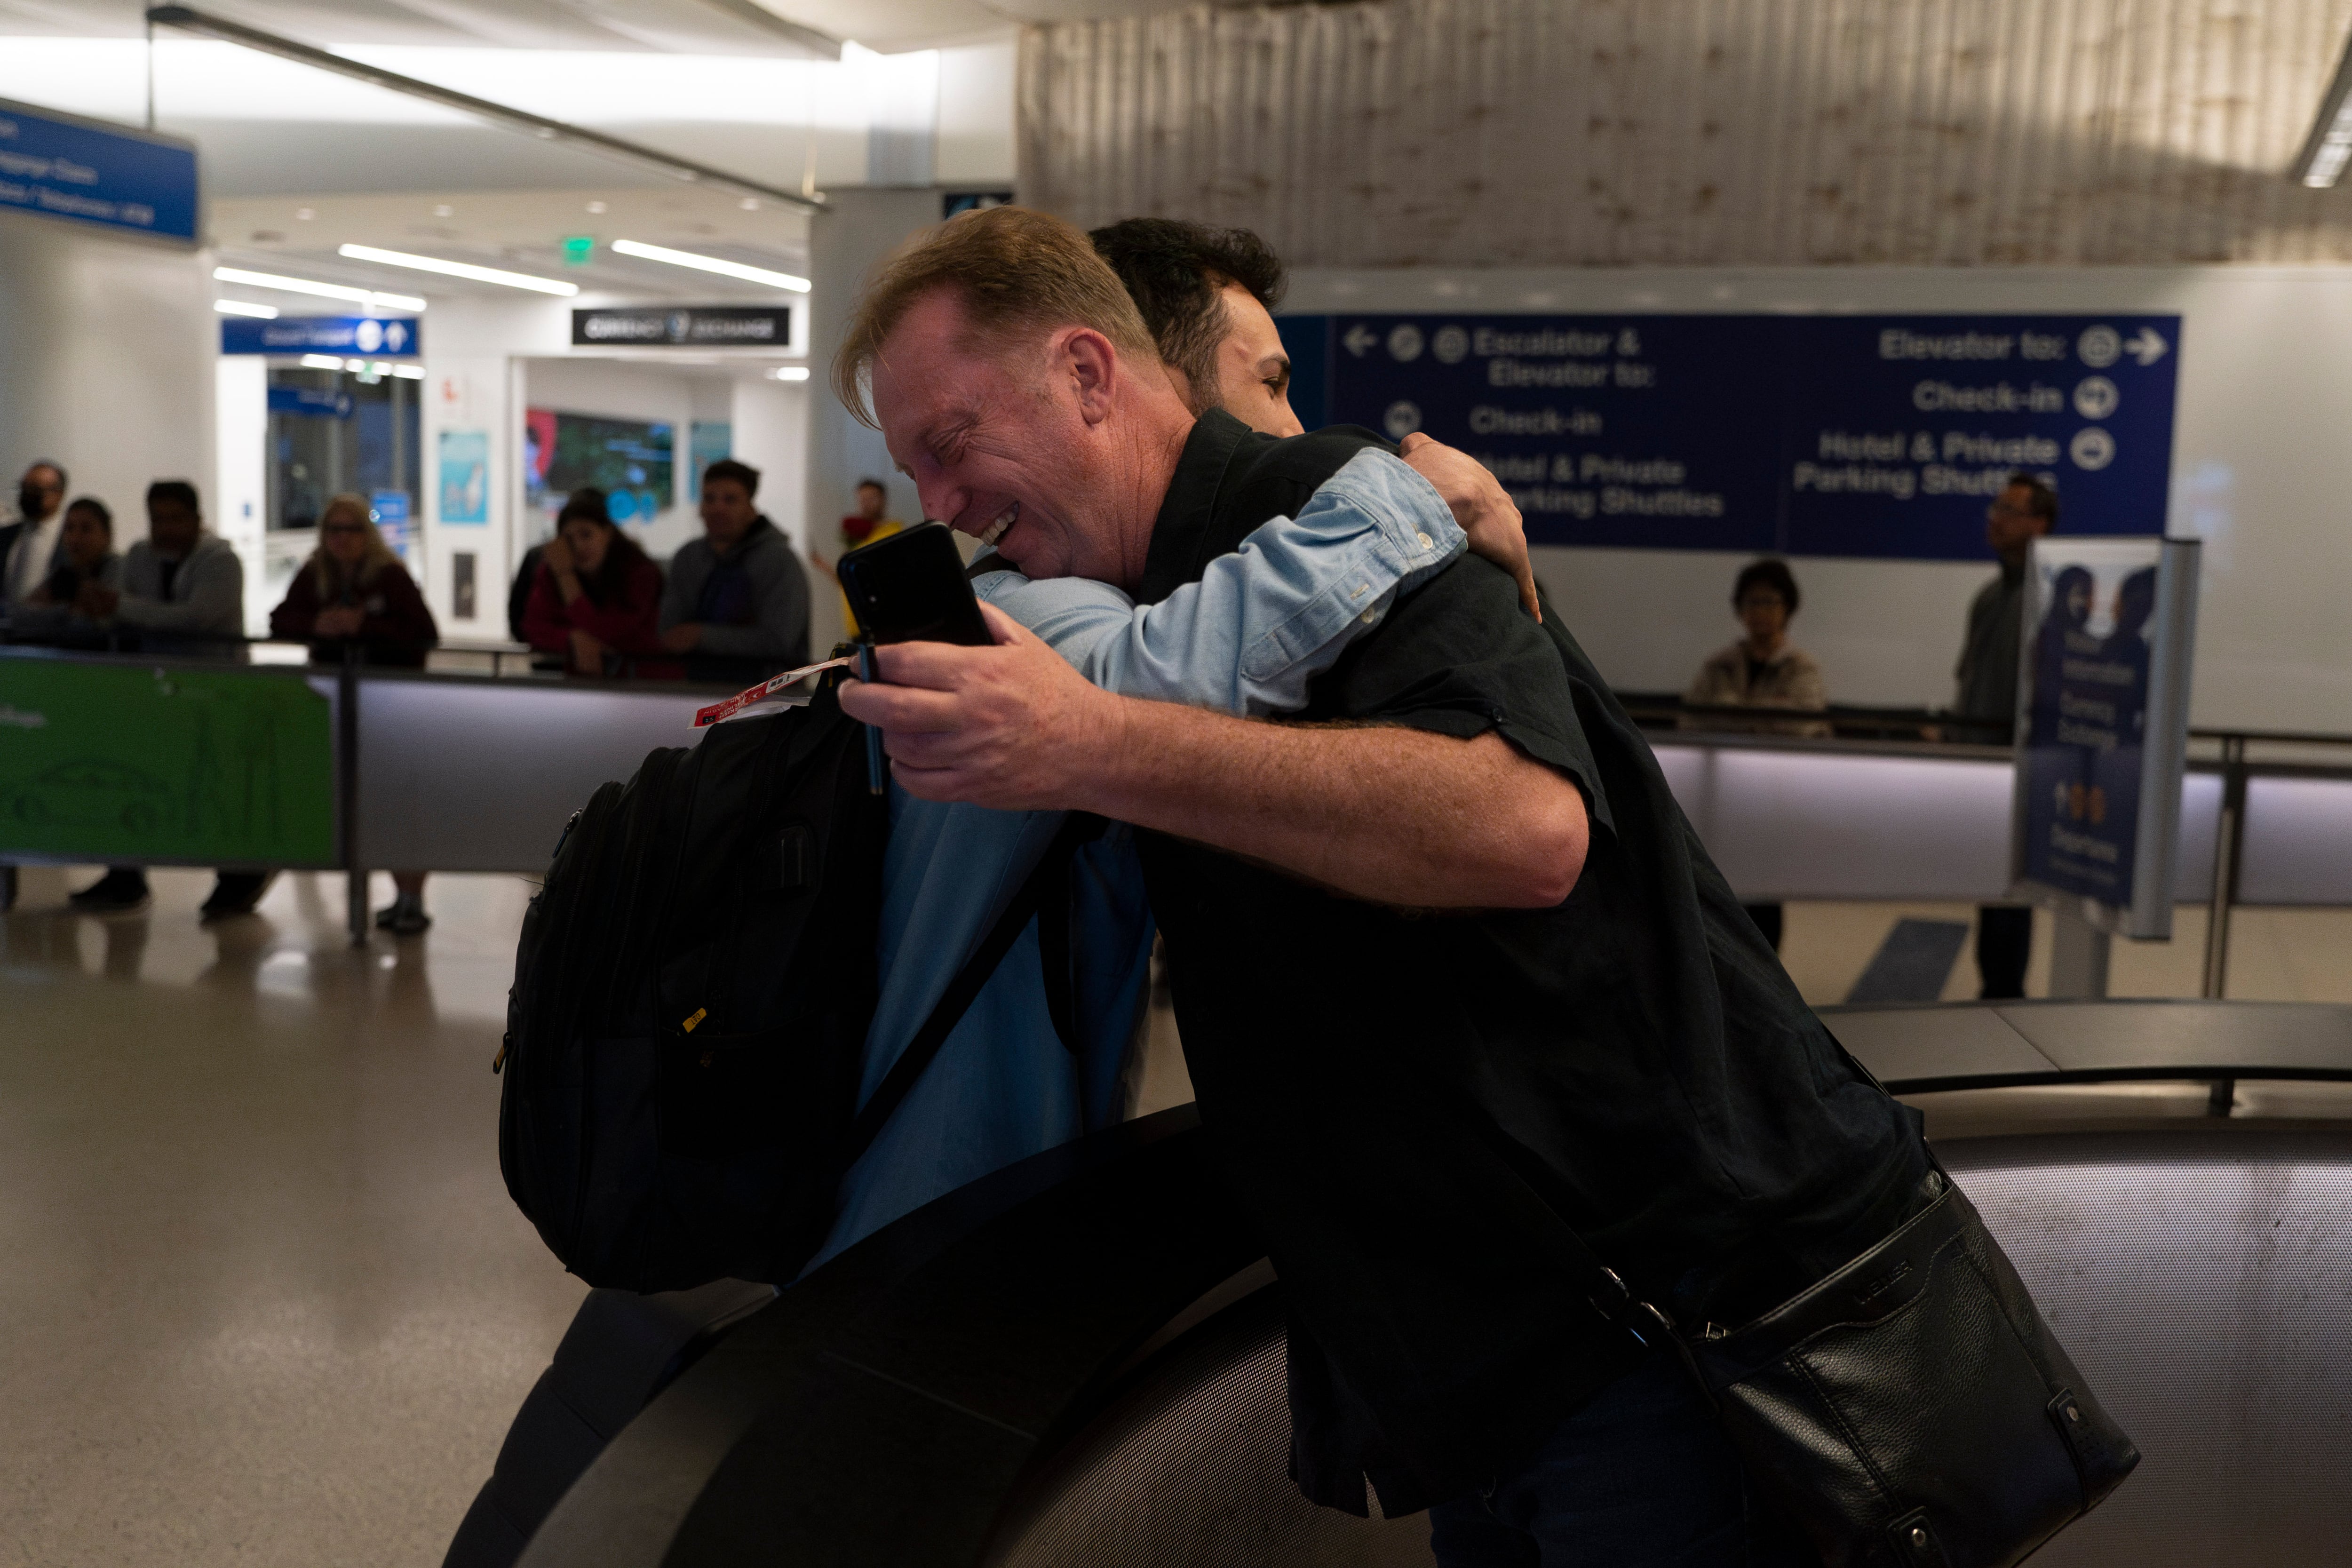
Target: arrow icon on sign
[2146,346]
[1360,338]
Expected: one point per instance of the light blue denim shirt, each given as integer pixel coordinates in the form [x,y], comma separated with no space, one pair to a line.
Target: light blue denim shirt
[1247,638]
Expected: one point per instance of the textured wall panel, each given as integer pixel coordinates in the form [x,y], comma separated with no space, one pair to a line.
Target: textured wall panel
[1701,133]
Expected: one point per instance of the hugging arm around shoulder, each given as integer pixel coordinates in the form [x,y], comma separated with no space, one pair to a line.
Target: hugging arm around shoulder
[1263,621]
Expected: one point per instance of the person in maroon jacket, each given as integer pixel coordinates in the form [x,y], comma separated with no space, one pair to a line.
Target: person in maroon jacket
[596,599]
[354,591]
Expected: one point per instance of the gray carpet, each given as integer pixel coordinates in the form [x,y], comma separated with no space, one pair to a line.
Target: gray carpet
[1913,964]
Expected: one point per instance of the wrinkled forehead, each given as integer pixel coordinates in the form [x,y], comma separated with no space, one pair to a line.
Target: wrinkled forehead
[935,366]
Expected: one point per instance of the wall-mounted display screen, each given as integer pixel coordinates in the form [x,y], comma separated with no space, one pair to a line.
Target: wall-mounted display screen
[630,460]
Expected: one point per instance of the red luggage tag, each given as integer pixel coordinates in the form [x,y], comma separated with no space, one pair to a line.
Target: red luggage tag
[768,688]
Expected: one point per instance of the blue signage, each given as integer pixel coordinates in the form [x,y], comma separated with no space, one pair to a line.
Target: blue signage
[85,171]
[2102,725]
[378,337]
[1872,435]
[311,402]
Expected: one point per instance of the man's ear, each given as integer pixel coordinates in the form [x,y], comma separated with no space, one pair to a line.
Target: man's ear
[1092,365]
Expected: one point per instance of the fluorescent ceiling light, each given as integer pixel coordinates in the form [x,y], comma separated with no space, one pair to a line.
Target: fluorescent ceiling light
[2329,146]
[789,373]
[323,361]
[711,264]
[188,20]
[239,308]
[458,269]
[409,372]
[309,286]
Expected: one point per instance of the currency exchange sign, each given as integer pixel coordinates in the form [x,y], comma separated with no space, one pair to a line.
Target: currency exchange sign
[1870,436]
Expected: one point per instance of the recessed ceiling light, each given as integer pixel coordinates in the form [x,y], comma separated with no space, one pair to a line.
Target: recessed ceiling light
[305,214]
[789,373]
[458,269]
[596,207]
[445,210]
[711,264]
[750,204]
[239,308]
[368,297]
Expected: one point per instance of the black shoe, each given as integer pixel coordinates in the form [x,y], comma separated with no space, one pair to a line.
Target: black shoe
[118,892]
[234,893]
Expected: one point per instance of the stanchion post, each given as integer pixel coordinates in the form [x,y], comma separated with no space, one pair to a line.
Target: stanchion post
[2228,847]
[347,792]
[2078,958]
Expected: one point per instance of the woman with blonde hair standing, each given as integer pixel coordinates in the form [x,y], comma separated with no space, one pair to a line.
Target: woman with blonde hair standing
[353,592]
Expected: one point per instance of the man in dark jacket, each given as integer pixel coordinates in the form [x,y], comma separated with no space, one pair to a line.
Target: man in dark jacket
[1422,1115]
[34,545]
[2026,508]
[737,602]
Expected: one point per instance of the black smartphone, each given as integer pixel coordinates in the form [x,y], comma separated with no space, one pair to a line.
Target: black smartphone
[912,587]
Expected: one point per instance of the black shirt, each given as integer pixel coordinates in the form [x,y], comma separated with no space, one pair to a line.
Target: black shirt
[1415,1106]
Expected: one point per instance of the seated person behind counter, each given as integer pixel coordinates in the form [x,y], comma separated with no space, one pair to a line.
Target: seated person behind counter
[85,555]
[595,598]
[353,591]
[738,603]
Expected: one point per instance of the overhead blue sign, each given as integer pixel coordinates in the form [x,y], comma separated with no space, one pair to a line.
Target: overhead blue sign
[1874,436]
[85,171]
[394,337]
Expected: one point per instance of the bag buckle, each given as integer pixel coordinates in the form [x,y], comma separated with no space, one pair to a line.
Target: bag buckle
[1614,1300]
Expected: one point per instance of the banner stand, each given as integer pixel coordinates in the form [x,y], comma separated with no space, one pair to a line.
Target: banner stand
[2104,655]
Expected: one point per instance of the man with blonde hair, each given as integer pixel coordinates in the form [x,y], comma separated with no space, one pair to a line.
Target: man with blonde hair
[1422,1115]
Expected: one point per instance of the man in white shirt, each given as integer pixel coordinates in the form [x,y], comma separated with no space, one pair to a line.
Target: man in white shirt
[29,547]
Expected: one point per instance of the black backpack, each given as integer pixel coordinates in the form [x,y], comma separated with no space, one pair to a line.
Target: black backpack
[692,991]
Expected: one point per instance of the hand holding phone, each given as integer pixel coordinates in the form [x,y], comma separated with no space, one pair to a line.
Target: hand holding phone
[912,587]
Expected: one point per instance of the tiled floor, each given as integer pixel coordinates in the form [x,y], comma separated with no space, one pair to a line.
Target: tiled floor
[2275,955]
[266,1302]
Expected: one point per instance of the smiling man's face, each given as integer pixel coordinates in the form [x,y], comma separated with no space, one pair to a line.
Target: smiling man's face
[997,442]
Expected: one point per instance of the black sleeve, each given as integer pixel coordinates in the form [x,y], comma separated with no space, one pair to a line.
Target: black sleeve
[1459,657]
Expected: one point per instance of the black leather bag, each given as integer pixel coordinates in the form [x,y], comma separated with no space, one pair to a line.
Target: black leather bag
[1912,1410]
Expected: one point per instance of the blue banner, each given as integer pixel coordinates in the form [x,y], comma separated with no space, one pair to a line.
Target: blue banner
[311,402]
[1867,435]
[377,337]
[85,171]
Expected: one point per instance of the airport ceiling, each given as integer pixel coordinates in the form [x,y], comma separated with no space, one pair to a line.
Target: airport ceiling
[790,29]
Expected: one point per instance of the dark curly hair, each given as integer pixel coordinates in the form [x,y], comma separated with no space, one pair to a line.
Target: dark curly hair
[1174,269]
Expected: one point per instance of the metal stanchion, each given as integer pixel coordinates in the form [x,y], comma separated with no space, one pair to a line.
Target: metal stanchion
[2228,847]
[347,793]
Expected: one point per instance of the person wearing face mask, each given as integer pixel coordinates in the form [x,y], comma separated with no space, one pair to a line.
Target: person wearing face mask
[85,555]
[33,546]
[354,591]
[736,604]
[596,599]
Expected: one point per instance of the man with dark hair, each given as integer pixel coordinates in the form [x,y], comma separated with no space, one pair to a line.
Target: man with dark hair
[33,546]
[1208,296]
[2026,508]
[182,588]
[737,602]
[870,523]
[1419,1114]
